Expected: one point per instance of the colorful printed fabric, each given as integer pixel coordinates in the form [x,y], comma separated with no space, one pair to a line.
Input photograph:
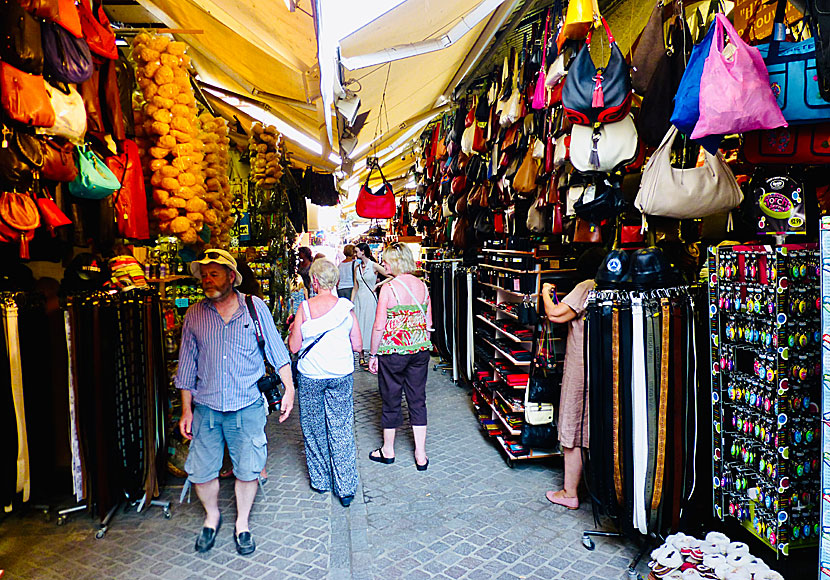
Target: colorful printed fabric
[405,331]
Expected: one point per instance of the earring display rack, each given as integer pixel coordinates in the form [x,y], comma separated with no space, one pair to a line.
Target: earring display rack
[824,537]
[764,309]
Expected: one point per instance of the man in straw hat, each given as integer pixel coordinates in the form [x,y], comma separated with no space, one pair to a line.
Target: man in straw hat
[219,366]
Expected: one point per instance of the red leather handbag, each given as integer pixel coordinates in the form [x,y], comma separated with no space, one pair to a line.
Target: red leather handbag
[130,200]
[24,97]
[68,17]
[378,204]
[631,235]
[97,31]
[50,214]
[796,144]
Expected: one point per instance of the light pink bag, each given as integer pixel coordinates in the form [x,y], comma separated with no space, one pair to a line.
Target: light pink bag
[539,95]
[735,94]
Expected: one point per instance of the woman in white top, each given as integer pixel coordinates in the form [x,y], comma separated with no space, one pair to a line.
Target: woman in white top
[325,333]
[366,271]
[346,267]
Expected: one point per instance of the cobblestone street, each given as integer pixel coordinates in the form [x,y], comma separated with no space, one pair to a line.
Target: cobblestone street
[468,516]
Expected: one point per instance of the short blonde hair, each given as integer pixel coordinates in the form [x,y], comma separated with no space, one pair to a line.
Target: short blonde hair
[400,258]
[326,273]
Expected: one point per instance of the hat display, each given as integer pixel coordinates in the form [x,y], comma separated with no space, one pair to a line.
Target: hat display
[614,268]
[215,257]
[650,269]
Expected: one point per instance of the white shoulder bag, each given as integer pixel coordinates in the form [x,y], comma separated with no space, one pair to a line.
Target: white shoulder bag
[605,148]
[70,114]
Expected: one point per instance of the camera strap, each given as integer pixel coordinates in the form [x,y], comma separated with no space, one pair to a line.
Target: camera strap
[260,337]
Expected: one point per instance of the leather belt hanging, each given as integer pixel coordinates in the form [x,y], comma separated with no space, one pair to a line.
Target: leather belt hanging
[661,416]
[640,421]
[24,482]
[652,321]
[678,319]
[615,379]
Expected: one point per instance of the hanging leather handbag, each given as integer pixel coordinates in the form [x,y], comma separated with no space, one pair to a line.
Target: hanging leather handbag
[536,221]
[592,95]
[58,160]
[20,32]
[47,9]
[686,193]
[525,179]
[600,200]
[68,17]
[70,113]
[131,200]
[561,152]
[586,232]
[67,58]
[20,156]
[539,96]
[95,180]
[556,72]
[50,214]
[579,18]
[556,219]
[24,97]
[604,147]
[648,50]
[97,31]
[379,204]
[794,145]
[19,212]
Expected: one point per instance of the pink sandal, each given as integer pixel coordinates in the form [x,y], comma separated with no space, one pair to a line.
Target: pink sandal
[559,498]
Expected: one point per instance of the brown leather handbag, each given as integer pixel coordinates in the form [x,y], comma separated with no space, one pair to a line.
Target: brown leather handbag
[24,97]
[20,156]
[19,212]
[47,9]
[525,179]
[21,31]
[58,160]
[586,233]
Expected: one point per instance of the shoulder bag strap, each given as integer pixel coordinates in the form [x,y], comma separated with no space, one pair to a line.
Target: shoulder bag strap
[260,337]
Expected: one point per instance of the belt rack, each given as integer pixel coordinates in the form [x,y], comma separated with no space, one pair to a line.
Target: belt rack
[764,308]
[441,268]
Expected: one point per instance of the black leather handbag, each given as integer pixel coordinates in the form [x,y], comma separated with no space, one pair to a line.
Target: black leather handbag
[20,156]
[20,39]
[593,95]
[601,200]
[540,436]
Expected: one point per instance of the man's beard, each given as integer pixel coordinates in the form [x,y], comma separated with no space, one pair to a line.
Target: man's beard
[216,293]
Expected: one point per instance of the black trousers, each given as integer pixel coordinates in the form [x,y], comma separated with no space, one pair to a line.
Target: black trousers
[405,373]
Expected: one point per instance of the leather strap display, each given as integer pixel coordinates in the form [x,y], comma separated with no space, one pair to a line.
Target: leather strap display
[652,385]
[24,482]
[639,418]
[615,382]
[678,320]
[663,402]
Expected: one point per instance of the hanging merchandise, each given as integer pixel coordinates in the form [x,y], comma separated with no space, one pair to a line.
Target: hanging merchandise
[131,199]
[66,57]
[686,193]
[592,95]
[20,217]
[20,157]
[794,145]
[819,22]
[214,134]
[601,199]
[512,109]
[97,30]
[646,53]
[51,215]
[264,146]
[735,94]
[604,147]
[536,217]
[579,19]
[24,97]
[539,96]
[22,47]
[687,99]
[94,180]
[379,204]
[778,204]
[70,113]
[169,133]
[58,160]
[525,179]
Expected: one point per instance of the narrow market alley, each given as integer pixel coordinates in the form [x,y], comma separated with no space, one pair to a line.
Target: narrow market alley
[468,516]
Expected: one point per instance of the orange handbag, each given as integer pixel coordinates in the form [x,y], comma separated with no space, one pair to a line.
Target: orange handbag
[50,214]
[18,211]
[525,179]
[24,97]
[68,17]
[97,31]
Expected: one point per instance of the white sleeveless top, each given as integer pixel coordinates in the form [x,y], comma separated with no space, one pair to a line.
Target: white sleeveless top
[331,357]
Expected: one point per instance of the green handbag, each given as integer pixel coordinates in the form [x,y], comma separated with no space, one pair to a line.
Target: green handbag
[95,180]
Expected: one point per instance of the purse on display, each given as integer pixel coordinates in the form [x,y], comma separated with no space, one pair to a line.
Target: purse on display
[525,179]
[604,147]
[130,201]
[574,194]
[21,33]
[820,28]
[735,94]
[600,200]
[794,145]
[586,232]
[592,95]
[561,151]
[648,50]
[66,58]
[24,97]
[19,212]
[20,157]
[50,214]
[68,17]
[70,113]
[97,31]
[95,180]
[793,77]
[379,204]
[58,161]
[539,96]
[579,18]
[536,221]
[686,193]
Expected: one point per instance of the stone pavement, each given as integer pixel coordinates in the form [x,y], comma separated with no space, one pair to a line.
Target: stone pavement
[468,516]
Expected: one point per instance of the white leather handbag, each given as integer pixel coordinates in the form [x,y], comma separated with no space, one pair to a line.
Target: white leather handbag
[556,72]
[537,413]
[536,217]
[604,149]
[70,114]
[574,194]
[467,139]
[686,193]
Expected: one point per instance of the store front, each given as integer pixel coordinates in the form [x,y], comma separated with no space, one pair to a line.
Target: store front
[626,263]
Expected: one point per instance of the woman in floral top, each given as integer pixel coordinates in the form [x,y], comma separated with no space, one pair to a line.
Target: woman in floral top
[399,353]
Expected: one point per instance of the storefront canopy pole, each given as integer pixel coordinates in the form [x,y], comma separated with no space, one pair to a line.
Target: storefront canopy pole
[456,33]
[385,138]
[514,23]
[475,55]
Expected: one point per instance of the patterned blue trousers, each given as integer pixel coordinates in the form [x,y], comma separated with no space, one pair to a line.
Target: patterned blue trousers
[327,420]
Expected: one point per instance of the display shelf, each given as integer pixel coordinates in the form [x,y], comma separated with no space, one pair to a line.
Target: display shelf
[506,355]
[509,430]
[509,252]
[512,337]
[513,408]
[532,453]
[510,292]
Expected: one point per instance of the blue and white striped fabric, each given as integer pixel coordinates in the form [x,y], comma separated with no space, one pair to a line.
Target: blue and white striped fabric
[220,363]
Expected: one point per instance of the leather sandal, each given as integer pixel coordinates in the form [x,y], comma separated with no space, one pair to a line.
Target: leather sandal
[207,537]
[380,458]
[559,498]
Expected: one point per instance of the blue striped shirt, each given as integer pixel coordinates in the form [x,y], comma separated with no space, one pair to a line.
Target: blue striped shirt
[221,363]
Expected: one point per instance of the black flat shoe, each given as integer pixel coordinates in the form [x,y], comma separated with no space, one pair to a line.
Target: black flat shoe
[380,458]
[207,537]
[244,543]
[346,500]
[423,467]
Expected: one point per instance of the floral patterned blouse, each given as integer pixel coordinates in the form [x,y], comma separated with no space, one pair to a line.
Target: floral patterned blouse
[406,328]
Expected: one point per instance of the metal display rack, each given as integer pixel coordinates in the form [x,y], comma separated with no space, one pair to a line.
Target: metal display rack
[824,536]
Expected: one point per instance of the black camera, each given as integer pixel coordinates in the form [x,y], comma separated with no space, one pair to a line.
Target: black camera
[269,385]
